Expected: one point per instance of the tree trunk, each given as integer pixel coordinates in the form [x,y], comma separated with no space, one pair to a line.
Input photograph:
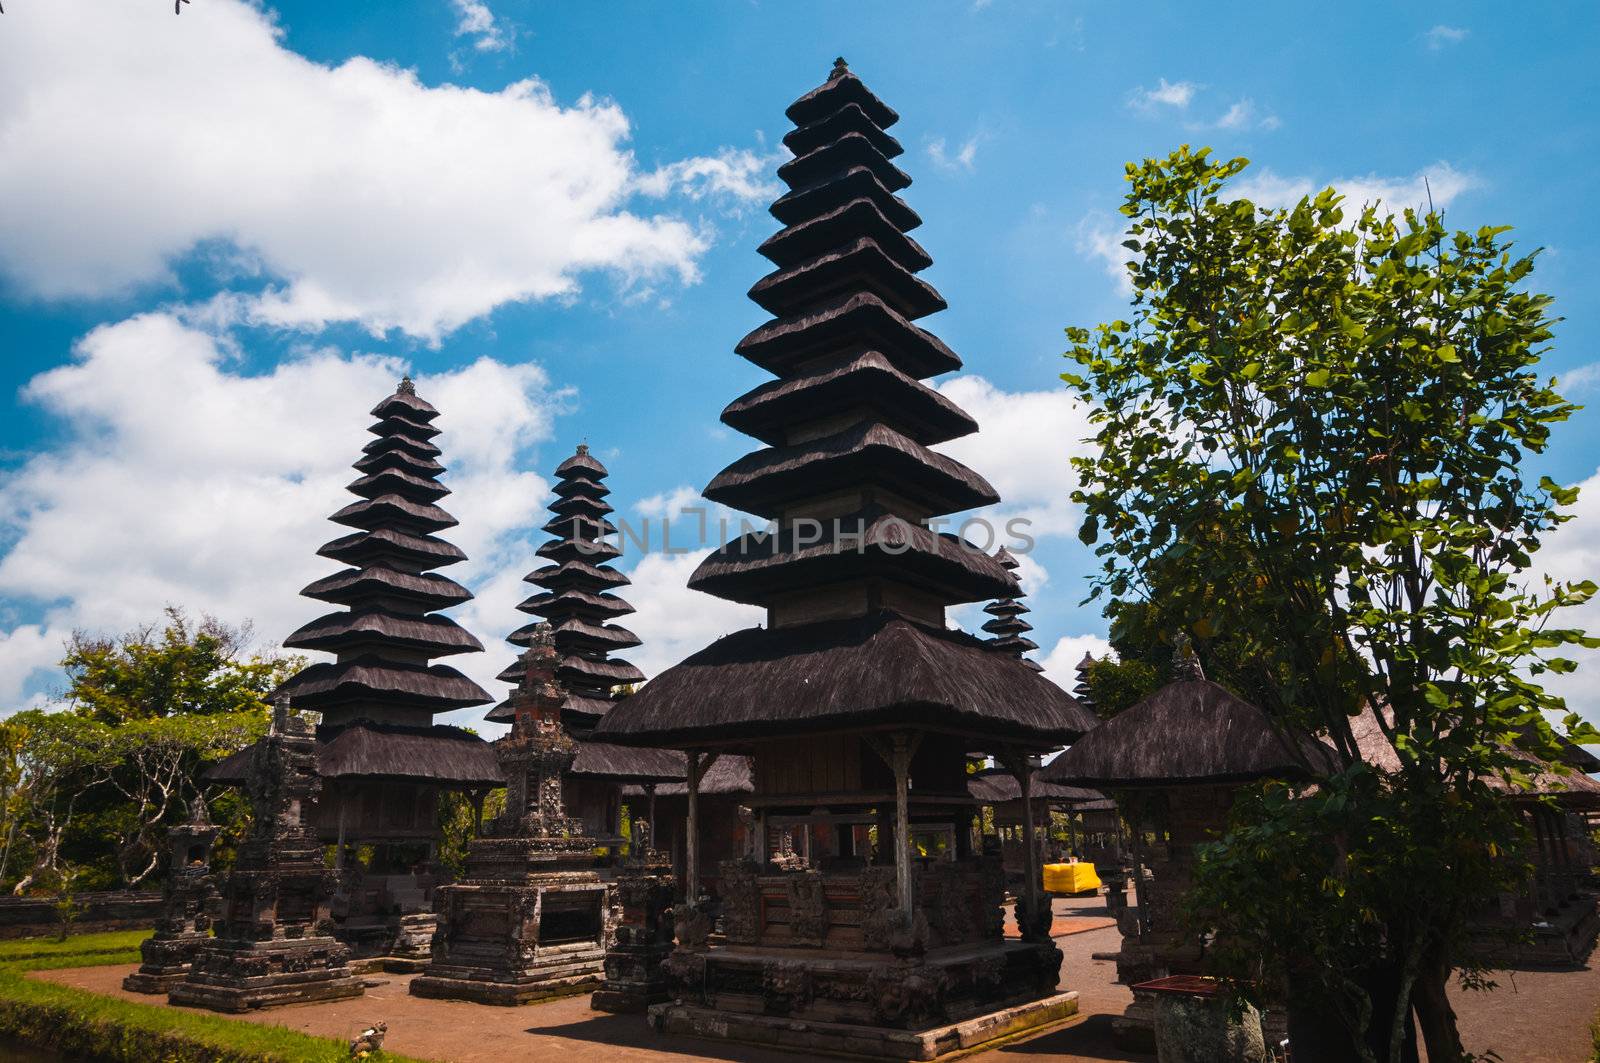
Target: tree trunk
[1320,1033]
[1435,1016]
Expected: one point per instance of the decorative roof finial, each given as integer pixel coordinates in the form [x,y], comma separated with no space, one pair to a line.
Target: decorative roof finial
[583,448]
[840,69]
[406,386]
[1185,662]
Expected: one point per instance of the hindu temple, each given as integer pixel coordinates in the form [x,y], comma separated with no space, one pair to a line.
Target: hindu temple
[855,702]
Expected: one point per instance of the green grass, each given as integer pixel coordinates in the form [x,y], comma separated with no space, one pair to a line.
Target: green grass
[80,1023]
[1594,1032]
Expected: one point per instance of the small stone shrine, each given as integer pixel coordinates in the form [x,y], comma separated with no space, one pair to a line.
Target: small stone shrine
[274,943]
[186,899]
[533,914]
[856,703]
[634,974]
[1175,760]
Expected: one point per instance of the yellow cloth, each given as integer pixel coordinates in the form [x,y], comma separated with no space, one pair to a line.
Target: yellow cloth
[1070,878]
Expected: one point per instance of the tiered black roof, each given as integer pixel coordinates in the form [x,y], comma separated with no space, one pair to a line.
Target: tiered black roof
[388,632]
[576,599]
[1084,691]
[1008,627]
[854,580]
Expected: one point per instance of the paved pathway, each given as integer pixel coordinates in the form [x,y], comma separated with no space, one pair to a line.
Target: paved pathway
[1534,1017]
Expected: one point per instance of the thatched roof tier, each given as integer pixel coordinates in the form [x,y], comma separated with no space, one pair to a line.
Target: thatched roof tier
[602,760]
[840,90]
[394,511]
[867,382]
[858,217]
[850,150]
[1008,627]
[850,118]
[575,574]
[1011,625]
[870,544]
[599,637]
[384,643]
[573,602]
[394,481]
[364,680]
[578,671]
[438,635]
[391,544]
[877,670]
[580,506]
[814,201]
[582,465]
[994,786]
[563,550]
[1189,732]
[860,265]
[579,707]
[580,484]
[424,591]
[728,775]
[769,481]
[860,321]
[407,404]
[580,528]
[448,756]
[397,458]
[1006,607]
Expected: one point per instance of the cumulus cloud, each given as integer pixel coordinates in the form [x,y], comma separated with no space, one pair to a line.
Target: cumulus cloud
[184,480]
[1099,236]
[741,176]
[1050,426]
[1572,554]
[1579,381]
[1441,181]
[356,193]
[1442,36]
[1061,663]
[954,160]
[475,20]
[1176,95]
[1242,115]
[673,620]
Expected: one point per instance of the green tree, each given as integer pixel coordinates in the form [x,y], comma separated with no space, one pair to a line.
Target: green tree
[1310,455]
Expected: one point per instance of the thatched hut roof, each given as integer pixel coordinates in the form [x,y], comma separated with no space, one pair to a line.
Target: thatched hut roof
[729,774]
[994,786]
[877,670]
[602,760]
[364,750]
[1191,731]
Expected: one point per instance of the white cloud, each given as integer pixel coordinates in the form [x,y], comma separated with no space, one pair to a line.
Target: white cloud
[1572,554]
[1177,95]
[25,651]
[1061,663]
[953,161]
[1239,117]
[1579,381]
[358,192]
[740,176]
[475,20]
[1443,182]
[1100,235]
[1048,427]
[185,481]
[1442,36]
[673,620]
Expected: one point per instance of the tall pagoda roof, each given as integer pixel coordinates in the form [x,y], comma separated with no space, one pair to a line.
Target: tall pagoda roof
[391,629]
[447,755]
[577,601]
[1010,631]
[847,477]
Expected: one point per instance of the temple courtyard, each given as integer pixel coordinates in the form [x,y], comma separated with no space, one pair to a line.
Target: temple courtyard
[1535,1016]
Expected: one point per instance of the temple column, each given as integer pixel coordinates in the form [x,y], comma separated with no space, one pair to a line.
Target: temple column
[900,761]
[697,765]
[650,815]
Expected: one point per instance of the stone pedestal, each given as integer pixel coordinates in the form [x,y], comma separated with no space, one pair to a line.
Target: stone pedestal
[274,945]
[634,978]
[185,922]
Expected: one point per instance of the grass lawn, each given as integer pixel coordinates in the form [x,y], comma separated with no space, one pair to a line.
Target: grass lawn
[105,1028]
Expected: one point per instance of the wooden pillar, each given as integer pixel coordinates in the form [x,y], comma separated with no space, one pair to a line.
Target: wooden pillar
[476,797]
[1030,851]
[650,815]
[697,764]
[901,763]
[338,849]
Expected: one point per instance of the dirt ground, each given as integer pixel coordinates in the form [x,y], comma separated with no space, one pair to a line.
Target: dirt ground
[1534,1017]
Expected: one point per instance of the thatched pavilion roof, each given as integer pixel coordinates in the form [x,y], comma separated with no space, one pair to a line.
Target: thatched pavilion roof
[881,669]
[994,786]
[440,754]
[1191,731]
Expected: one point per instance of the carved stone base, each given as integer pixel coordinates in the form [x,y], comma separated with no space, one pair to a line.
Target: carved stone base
[234,977]
[634,977]
[816,1037]
[166,962]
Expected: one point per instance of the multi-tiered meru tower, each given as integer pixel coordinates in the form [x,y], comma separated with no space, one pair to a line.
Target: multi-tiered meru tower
[856,703]
[1010,631]
[382,759]
[578,605]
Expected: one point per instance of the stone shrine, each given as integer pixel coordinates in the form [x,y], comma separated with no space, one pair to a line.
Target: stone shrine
[533,914]
[186,899]
[274,943]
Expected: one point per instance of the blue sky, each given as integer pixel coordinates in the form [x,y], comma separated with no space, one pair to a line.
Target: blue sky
[213,258]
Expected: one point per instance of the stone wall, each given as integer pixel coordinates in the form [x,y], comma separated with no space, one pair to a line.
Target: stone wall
[109,910]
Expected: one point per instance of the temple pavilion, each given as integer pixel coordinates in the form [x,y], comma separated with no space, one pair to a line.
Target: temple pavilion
[855,702]
[382,759]
[578,604]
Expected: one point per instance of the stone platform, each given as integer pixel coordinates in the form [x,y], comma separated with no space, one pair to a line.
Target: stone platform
[267,974]
[559,971]
[845,1039]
